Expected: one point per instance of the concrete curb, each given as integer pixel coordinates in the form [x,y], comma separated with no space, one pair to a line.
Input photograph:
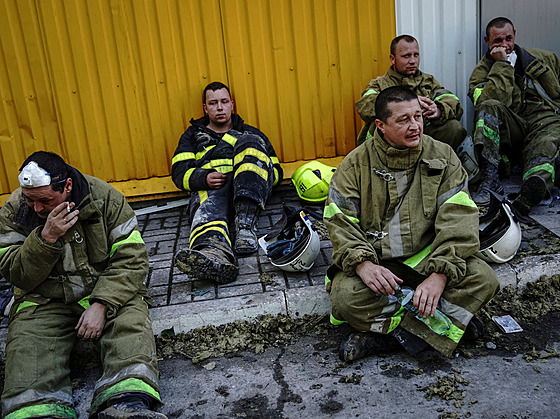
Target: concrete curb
[297,302]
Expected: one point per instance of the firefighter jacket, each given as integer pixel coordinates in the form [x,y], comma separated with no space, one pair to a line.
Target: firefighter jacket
[102,256]
[202,151]
[422,84]
[408,205]
[536,73]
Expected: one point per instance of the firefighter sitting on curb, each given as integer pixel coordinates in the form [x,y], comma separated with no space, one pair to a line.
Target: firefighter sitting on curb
[441,108]
[400,218]
[230,168]
[70,245]
[516,93]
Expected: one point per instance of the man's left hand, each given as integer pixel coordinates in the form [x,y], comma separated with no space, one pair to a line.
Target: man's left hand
[430,109]
[92,322]
[427,294]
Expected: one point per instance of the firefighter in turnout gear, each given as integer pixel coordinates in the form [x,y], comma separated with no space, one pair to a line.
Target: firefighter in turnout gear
[70,245]
[400,218]
[440,107]
[516,93]
[230,168]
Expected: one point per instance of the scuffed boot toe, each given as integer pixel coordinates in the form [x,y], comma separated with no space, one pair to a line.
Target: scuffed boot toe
[245,242]
[207,264]
[361,344]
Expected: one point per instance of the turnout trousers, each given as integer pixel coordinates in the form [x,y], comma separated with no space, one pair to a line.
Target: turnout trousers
[212,211]
[353,302]
[40,340]
[500,133]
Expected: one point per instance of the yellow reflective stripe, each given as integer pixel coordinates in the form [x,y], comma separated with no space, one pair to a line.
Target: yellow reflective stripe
[396,319]
[43,410]
[454,333]
[4,250]
[336,322]
[547,167]
[214,225]
[250,167]
[414,260]
[26,304]
[369,92]
[84,302]
[276,177]
[477,92]
[203,196]
[201,154]
[186,178]
[181,157]
[251,152]
[461,198]
[230,139]
[275,160]
[212,164]
[134,237]
[446,95]
[332,209]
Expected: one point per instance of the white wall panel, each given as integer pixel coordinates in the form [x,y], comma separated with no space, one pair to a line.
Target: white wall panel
[447,33]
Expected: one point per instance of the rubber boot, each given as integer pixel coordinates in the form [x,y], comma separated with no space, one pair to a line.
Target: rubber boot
[361,344]
[490,182]
[129,407]
[533,191]
[246,212]
[412,343]
[207,263]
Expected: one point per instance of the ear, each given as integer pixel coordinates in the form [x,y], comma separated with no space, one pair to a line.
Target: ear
[204,108]
[392,58]
[486,40]
[68,186]
[380,125]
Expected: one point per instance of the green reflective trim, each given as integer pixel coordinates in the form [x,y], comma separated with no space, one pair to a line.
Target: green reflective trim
[336,322]
[327,280]
[43,410]
[547,167]
[396,319]
[127,385]
[368,135]
[446,95]
[26,304]
[84,302]
[505,158]
[369,92]
[332,209]
[4,250]
[134,237]
[181,157]
[454,333]
[230,139]
[461,198]
[414,260]
[488,132]
[476,94]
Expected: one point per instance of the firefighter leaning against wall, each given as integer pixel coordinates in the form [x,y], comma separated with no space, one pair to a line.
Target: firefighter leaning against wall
[230,168]
[70,245]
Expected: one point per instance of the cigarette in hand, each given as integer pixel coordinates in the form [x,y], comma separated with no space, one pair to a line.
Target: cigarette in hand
[68,206]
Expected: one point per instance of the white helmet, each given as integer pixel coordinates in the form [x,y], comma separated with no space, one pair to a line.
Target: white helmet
[500,238]
[293,245]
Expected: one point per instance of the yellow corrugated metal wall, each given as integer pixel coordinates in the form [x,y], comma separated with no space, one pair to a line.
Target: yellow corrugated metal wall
[111,84]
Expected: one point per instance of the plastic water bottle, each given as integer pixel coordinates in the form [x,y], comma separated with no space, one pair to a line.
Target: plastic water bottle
[438,323]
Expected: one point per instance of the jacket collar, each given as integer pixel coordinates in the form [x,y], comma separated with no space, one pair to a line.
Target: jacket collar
[395,158]
[201,123]
[393,73]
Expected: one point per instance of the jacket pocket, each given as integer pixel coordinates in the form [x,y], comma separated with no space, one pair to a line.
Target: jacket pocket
[432,174]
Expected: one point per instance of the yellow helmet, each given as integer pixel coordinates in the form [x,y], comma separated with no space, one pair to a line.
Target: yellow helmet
[312,181]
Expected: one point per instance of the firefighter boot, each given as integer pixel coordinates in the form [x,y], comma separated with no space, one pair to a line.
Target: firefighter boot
[361,344]
[246,212]
[532,192]
[129,407]
[490,182]
[207,263]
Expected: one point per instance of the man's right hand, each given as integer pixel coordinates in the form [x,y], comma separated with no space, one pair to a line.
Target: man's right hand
[59,221]
[498,53]
[216,180]
[377,278]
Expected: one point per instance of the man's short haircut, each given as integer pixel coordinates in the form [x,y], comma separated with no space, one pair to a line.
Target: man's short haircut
[53,164]
[498,22]
[390,95]
[406,38]
[215,85]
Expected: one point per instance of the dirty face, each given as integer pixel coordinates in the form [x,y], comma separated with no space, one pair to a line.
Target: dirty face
[218,107]
[406,59]
[405,126]
[44,199]
[501,37]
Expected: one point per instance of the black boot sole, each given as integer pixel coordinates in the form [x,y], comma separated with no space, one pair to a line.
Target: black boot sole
[197,265]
